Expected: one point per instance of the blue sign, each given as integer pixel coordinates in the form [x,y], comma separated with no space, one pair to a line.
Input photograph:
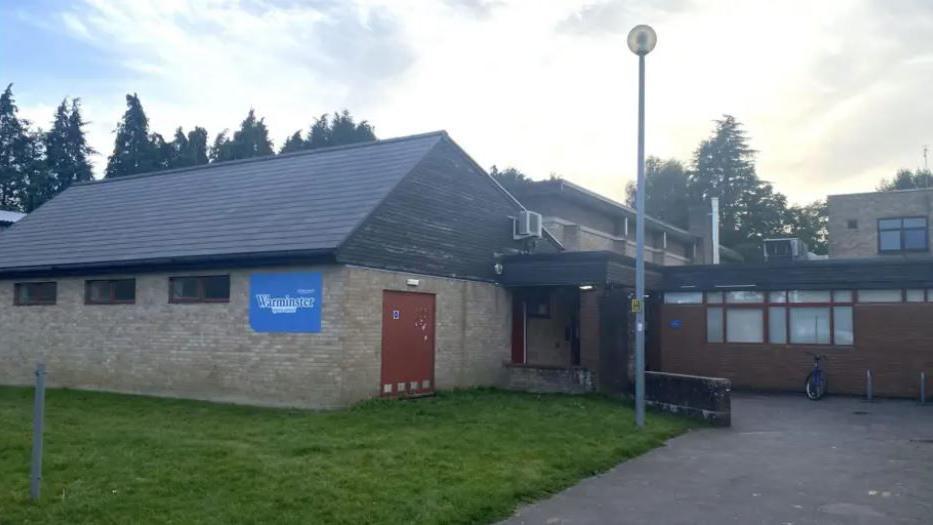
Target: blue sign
[676,324]
[285,302]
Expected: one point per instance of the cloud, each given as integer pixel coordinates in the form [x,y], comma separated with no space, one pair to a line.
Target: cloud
[833,98]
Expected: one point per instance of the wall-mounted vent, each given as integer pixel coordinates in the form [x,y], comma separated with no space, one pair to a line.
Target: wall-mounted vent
[527,224]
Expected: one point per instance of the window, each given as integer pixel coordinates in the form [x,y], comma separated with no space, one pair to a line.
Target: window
[879,296]
[914,296]
[744,325]
[683,298]
[714,297]
[538,304]
[852,224]
[904,234]
[113,291]
[777,325]
[842,325]
[809,325]
[714,325]
[745,297]
[28,294]
[788,317]
[202,289]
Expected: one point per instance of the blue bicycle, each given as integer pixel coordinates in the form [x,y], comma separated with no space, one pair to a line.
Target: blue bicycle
[816,381]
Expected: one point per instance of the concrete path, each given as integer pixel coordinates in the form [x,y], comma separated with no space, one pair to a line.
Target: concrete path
[786,460]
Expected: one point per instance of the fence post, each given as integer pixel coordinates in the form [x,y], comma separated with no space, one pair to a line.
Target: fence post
[868,392]
[38,416]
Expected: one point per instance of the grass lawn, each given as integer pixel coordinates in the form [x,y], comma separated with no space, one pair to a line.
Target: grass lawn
[461,457]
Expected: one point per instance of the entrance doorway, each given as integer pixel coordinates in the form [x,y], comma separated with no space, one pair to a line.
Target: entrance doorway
[407,344]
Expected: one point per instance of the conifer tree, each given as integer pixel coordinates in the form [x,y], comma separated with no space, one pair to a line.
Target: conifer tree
[251,140]
[14,153]
[135,151]
[293,143]
[66,148]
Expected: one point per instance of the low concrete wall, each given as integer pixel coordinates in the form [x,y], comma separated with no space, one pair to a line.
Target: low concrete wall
[549,379]
[706,398]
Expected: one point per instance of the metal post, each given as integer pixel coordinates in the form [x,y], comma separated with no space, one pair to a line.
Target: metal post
[868,392]
[640,254]
[923,388]
[38,416]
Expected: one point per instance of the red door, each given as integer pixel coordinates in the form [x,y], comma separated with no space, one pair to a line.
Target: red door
[519,326]
[407,344]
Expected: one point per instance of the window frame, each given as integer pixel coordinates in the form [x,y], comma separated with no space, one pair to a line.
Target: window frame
[112,299]
[18,285]
[200,287]
[787,305]
[902,234]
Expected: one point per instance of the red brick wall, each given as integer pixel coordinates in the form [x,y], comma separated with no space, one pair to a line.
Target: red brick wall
[895,341]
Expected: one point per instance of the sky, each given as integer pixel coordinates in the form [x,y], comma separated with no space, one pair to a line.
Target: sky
[834,95]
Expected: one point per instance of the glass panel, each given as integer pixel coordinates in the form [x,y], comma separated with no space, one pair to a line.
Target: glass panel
[777,325]
[714,297]
[916,222]
[842,325]
[890,240]
[889,224]
[809,296]
[35,293]
[124,290]
[185,288]
[714,325]
[842,296]
[98,291]
[809,325]
[777,297]
[879,296]
[915,239]
[217,287]
[745,297]
[745,325]
[683,297]
[914,296]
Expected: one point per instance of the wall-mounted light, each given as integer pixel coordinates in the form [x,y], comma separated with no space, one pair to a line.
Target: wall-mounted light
[586,287]
[413,282]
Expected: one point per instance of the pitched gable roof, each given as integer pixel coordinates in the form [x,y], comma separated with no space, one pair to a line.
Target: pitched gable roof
[302,202]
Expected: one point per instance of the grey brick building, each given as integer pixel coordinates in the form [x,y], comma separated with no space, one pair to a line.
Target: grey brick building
[885,224]
[172,283]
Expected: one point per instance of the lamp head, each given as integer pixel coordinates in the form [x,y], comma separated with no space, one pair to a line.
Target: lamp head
[642,39]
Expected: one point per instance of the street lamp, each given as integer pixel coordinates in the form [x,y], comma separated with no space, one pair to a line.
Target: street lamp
[641,40]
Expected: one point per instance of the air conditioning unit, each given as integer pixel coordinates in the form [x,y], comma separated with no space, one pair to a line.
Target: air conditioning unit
[527,224]
[789,249]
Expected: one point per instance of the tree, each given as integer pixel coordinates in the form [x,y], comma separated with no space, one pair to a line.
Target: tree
[810,223]
[40,183]
[293,143]
[66,150]
[724,167]
[252,140]
[326,132]
[908,180]
[134,150]
[187,150]
[511,179]
[16,153]
[666,194]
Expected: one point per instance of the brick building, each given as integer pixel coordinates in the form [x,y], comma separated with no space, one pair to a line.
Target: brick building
[884,224]
[182,283]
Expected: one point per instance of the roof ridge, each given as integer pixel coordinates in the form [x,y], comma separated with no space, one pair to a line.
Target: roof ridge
[264,158]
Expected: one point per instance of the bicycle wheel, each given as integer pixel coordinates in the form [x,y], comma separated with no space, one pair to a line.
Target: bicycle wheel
[815,386]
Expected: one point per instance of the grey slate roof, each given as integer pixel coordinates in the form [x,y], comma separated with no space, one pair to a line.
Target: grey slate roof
[301,202]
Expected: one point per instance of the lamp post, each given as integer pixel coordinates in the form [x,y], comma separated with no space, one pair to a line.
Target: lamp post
[641,40]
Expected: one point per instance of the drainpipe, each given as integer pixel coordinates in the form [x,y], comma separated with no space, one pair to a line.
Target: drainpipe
[714,205]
